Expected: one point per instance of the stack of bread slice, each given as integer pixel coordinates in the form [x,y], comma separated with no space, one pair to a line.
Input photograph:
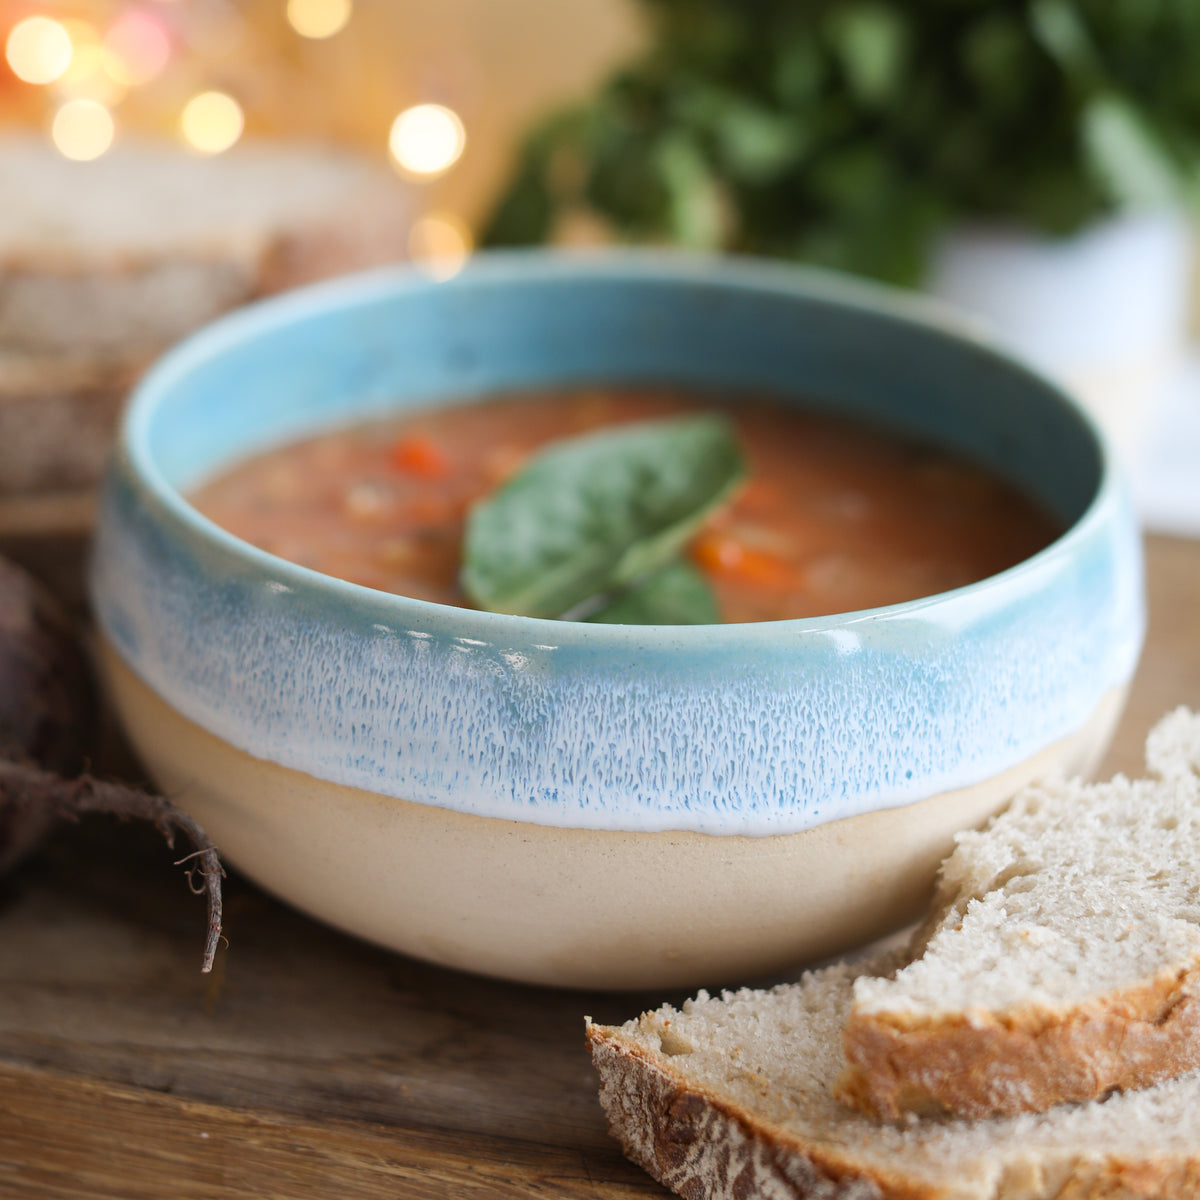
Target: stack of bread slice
[1041,1038]
[105,264]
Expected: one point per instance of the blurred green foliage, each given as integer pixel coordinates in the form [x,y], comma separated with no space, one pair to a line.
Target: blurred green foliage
[847,132]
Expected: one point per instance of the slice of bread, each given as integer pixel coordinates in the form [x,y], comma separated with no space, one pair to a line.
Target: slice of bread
[57,416]
[732,1098]
[122,256]
[105,264]
[1062,959]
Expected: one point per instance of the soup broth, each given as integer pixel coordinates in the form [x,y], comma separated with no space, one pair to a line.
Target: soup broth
[832,518]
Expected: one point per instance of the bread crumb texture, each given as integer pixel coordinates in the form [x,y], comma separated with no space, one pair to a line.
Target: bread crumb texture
[1063,957]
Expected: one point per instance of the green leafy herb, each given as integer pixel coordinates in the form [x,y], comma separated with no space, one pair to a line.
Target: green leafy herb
[1059,27]
[693,192]
[849,132]
[869,40]
[676,594]
[1127,155]
[590,516]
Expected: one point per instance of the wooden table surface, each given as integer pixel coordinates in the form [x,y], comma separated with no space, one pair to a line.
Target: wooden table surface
[309,1064]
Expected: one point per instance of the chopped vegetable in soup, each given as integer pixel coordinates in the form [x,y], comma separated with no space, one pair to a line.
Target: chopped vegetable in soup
[630,505]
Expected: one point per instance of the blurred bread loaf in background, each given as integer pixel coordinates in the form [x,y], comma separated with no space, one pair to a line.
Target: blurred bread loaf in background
[105,264]
[120,257]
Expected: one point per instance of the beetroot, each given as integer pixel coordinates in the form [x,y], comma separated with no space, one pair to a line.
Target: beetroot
[47,712]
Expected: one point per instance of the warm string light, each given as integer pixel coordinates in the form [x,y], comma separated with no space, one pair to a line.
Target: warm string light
[136,49]
[439,244]
[211,122]
[87,76]
[427,140]
[38,50]
[91,72]
[82,129]
[318,18]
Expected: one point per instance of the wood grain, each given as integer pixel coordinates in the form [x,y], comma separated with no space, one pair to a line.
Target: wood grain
[1169,672]
[317,1065]
[408,1076]
[133,1144]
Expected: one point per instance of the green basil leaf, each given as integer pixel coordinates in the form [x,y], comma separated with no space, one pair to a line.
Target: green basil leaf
[589,515]
[677,594]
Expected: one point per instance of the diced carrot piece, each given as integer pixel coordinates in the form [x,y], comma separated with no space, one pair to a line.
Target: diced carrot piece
[419,455]
[715,552]
[724,555]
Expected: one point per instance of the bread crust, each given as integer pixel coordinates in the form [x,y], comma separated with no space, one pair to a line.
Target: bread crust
[126,305]
[981,1063]
[57,418]
[704,1147]
[124,287]
[80,317]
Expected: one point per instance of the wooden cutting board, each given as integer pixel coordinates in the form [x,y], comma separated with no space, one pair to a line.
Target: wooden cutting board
[309,1064]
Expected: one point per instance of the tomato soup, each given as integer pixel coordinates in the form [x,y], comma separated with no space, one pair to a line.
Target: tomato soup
[832,517]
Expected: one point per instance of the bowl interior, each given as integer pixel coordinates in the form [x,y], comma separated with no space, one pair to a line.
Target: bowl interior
[377,344]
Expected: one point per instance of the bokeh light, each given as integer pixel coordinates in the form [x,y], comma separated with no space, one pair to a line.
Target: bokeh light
[82,130]
[38,49]
[440,244]
[86,77]
[318,18]
[211,122]
[427,139]
[136,49]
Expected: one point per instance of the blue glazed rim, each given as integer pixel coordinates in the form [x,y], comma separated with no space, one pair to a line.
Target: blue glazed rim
[1104,527]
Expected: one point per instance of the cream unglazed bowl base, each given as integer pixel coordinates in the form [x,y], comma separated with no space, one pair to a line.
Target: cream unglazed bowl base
[568,907]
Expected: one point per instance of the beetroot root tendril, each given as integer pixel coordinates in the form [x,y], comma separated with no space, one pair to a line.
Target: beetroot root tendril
[23,784]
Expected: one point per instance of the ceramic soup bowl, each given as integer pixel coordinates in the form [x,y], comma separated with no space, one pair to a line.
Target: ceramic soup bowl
[600,805]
